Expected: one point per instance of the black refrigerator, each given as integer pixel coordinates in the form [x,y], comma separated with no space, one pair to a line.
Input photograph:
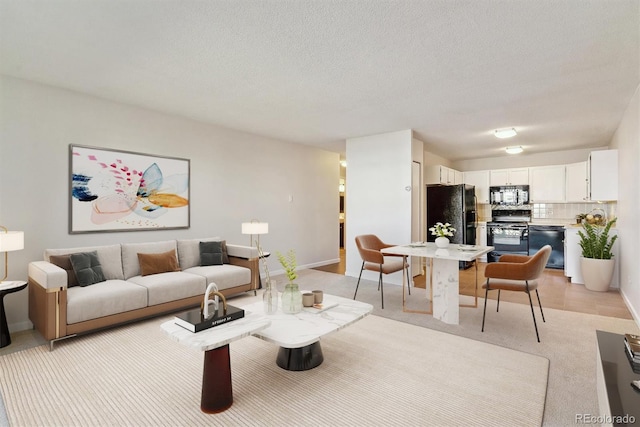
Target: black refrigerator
[455,204]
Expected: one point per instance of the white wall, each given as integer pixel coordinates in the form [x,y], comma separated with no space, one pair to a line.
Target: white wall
[430,159]
[378,201]
[235,177]
[627,141]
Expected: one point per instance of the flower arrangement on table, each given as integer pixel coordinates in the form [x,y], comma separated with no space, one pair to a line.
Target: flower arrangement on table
[442,230]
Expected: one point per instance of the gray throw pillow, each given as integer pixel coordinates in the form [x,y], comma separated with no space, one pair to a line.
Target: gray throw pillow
[87,267]
[211,253]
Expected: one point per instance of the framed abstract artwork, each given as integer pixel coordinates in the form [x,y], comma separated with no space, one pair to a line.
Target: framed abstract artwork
[112,190]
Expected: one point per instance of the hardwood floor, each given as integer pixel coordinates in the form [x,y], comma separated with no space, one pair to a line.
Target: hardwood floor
[554,289]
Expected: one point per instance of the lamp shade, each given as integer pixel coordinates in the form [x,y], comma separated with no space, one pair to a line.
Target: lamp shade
[255,228]
[11,241]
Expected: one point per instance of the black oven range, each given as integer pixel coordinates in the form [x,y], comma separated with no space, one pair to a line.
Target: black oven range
[508,232]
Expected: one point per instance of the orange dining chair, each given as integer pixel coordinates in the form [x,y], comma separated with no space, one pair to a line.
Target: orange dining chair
[519,273]
[369,247]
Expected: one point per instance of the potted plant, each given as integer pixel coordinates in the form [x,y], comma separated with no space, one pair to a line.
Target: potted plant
[443,231]
[291,297]
[597,263]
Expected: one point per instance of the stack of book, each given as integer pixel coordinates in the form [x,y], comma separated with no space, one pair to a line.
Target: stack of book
[632,347]
[194,321]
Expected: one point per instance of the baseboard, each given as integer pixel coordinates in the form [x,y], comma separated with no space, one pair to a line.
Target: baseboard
[20,326]
[321,263]
[632,310]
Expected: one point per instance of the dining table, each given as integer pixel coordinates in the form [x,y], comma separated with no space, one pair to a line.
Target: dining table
[444,275]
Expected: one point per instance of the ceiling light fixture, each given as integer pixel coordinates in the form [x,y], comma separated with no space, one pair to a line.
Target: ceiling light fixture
[514,150]
[505,133]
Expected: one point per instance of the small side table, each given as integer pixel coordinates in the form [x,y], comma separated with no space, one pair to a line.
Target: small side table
[7,287]
[217,394]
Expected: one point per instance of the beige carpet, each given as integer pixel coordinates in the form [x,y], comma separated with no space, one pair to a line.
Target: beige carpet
[376,372]
[568,339]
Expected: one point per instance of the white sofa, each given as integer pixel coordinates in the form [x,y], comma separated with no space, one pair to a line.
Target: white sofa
[60,311]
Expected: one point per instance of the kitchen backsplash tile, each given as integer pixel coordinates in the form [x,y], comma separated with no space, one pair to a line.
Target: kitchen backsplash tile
[567,212]
[556,213]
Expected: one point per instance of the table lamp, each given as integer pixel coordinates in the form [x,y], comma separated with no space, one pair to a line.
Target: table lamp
[10,241]
[255,227]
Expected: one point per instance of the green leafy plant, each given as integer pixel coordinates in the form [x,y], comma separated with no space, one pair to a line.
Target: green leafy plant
[595,241]
[289,263]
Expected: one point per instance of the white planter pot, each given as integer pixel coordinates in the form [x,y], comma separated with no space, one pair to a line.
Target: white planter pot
[597,273]
[442,242]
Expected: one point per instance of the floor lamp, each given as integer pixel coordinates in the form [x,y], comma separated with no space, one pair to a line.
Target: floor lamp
[10,241]
[255,227]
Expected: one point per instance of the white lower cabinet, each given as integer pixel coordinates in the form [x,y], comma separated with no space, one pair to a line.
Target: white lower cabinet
[481,238]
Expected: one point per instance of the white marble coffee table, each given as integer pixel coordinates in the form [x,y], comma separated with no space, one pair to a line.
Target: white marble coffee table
[298,335]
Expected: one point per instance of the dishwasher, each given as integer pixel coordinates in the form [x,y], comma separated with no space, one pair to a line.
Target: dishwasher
[540,235]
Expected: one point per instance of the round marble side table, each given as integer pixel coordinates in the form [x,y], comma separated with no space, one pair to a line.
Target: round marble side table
[7,287]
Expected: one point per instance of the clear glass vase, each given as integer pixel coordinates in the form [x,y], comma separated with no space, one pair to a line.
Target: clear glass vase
[270,297]
[291,299]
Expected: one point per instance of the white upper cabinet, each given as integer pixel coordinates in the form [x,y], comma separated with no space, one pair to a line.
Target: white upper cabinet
[547,184]
[517,176]
[603,175]
[479,179]
[458,177]
[576,182]
[442,175]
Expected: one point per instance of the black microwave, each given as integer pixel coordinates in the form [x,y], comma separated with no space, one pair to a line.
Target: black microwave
[509,195]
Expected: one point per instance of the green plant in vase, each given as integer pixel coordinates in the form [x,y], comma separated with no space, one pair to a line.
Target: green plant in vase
[291,297]
[597,263]
[595,241]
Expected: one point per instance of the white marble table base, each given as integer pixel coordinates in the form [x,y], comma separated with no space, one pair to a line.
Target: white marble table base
[446,287]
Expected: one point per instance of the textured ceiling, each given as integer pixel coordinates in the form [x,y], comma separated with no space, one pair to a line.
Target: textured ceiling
[316,72]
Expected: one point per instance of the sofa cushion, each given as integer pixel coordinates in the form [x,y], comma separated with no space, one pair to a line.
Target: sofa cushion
[158,263]
[172,286]
[103,299]
[110,257]
[64,262]
[87,267]
[130,251]
[211,253]
[225,276]
[189,251]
